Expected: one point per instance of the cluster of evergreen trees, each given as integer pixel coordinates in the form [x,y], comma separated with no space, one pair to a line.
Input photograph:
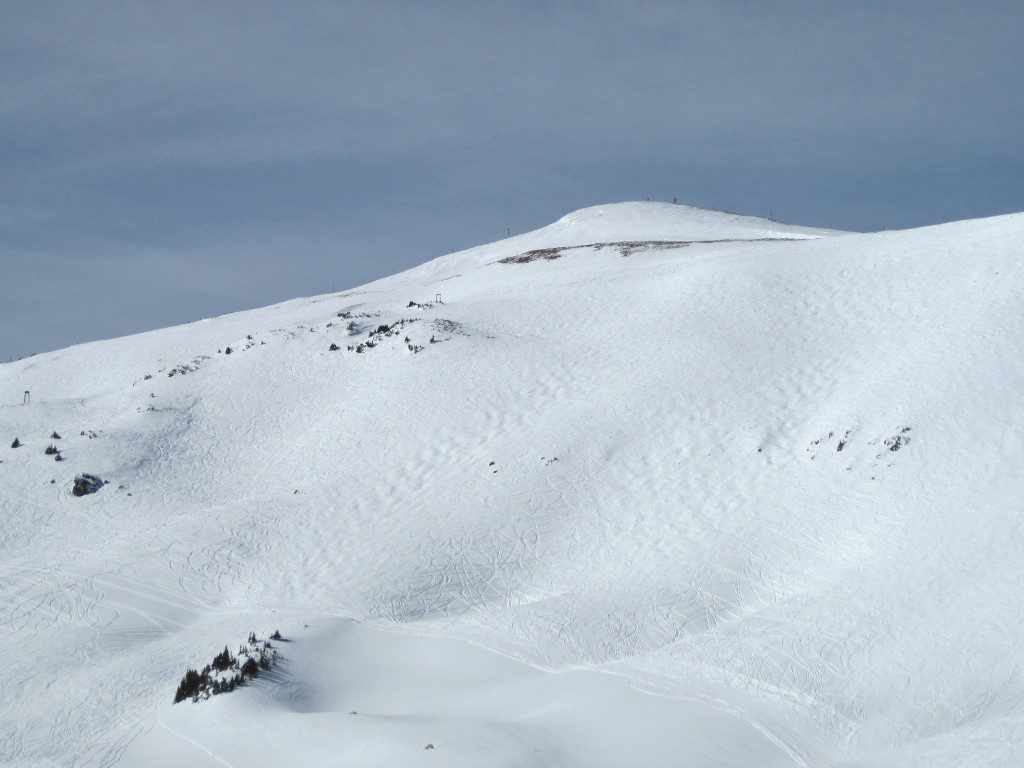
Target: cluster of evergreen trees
[226,672]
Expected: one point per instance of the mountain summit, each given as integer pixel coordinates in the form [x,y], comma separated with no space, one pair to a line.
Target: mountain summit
[769,473]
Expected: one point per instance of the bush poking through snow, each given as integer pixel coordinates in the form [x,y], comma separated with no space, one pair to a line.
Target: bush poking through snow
[51,450]
[897,441]
[383,332]
[227,672]
[16,443]
[184,368]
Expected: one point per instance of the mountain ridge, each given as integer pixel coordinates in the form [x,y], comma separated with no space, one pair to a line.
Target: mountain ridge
[771,476]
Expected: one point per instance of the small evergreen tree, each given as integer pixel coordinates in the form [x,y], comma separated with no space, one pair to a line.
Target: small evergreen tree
[250,669]
[223,660]
[189,687]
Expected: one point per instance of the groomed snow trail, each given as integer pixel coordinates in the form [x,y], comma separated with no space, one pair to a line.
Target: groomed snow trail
[776,474]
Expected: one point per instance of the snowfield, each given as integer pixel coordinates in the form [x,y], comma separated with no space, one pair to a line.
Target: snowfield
[769,477]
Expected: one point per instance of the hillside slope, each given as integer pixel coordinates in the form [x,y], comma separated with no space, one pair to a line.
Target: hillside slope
[769,472]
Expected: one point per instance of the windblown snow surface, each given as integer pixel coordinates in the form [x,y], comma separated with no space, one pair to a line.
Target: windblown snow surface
[768,477]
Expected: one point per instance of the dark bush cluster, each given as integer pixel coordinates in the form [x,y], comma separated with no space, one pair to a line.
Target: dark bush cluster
[184,368]
[897,441]
[382,332]
[391,330]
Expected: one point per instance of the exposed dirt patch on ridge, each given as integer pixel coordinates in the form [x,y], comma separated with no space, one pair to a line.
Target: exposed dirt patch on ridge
[626,248]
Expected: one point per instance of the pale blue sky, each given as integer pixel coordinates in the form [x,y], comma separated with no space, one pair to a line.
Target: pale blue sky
[163,162]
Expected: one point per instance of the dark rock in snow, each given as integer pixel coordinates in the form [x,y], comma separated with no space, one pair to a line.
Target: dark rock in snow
[86,484]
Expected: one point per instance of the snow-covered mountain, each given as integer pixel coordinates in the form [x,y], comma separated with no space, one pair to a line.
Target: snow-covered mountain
[769,476]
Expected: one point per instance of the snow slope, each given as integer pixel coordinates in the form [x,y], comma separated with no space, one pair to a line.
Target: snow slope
[768,475]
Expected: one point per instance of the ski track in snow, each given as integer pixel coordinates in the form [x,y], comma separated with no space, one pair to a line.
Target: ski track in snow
[623,464]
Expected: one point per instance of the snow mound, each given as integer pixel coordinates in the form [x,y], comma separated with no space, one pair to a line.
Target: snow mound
[666,221]
[626,222]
